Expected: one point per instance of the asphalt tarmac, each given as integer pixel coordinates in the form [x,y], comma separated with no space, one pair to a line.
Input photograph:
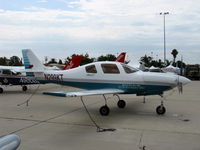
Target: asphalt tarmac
[57,123]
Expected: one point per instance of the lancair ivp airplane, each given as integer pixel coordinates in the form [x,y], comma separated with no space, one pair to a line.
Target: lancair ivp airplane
[101,78]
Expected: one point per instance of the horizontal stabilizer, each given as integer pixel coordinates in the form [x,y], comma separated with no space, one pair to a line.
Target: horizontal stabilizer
[84,93]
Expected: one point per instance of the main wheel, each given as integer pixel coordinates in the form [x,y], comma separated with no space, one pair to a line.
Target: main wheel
[104,110]
[160,110]
[1,90]
[121,103]
[24,88]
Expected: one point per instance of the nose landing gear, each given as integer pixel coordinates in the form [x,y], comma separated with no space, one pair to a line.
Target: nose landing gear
[160,110]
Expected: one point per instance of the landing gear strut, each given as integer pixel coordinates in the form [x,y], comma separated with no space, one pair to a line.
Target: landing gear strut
[104,110]
[24,88]
[1,90]
[160,110]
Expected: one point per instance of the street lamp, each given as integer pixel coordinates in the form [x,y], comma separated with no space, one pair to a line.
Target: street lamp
[164,13]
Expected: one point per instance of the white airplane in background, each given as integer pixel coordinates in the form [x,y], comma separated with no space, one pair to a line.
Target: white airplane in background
[15,75]
[101,78]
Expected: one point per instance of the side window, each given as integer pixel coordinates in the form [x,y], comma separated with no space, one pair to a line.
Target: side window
[6,72]
[128,69]
[110,68]
[91,69]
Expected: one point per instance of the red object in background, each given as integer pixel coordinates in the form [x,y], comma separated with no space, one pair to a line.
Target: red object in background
[73,63]
[121,57]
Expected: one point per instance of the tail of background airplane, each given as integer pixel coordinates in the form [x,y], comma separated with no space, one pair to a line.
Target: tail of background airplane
[73,63]
[31,62]
[121,57]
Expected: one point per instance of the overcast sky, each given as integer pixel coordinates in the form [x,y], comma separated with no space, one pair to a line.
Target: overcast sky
[59,28]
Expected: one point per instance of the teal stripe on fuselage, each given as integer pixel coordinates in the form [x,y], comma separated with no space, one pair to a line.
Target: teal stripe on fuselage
[138,89]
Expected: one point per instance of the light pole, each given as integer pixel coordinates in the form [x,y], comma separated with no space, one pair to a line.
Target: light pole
[164,13]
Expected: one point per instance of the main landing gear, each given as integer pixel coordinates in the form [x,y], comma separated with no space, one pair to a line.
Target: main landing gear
[160,110]
[24,88]
[105,110]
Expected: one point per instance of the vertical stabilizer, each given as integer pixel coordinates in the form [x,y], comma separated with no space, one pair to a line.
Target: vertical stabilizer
[31,62]
[121,57]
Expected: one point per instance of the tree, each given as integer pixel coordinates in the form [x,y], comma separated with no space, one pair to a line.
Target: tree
[146,60]
[52,61]
[15,61]
[60,62]
[108,57]
[3,61]
[174,53]
[86,60]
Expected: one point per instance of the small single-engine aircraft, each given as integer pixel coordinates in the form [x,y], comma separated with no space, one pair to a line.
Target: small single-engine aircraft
[12,75]
[9,78]
[101,78]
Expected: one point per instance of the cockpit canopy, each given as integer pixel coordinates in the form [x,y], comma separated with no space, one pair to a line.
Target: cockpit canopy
[110,68]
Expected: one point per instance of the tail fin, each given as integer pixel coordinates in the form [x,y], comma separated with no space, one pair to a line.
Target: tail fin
[121,57]
[31,62]
[73,63]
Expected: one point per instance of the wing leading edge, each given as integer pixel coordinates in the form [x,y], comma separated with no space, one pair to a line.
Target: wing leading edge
[84,93]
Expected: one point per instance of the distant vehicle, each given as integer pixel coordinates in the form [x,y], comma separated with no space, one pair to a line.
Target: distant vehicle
[9,142]
[193,72]
[101,78]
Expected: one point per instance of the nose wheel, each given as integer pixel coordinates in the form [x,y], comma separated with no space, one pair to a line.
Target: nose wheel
[160,110]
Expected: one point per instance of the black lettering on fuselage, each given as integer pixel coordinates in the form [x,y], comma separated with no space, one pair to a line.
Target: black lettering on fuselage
[55,77]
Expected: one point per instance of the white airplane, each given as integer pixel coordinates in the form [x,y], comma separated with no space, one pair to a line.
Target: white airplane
[101,78]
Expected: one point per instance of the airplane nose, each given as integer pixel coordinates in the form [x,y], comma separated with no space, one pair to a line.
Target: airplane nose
[184,80]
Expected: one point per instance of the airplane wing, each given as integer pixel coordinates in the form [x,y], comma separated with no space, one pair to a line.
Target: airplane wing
[85,93]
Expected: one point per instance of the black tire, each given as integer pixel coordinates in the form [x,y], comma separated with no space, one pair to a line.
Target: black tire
[104,110]
[24,88]
[160,110]
[1,90]
[121,103]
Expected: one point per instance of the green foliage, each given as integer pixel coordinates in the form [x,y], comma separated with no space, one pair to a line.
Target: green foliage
[52,61]
[3,61]
[108,57]
[60,62]
[15,61]
[146,60]
[174,53]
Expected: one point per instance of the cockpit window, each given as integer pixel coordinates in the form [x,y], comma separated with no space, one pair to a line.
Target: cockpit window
[91,69]
[110,68]
[128,69]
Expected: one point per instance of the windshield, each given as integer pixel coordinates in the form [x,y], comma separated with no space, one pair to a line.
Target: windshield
[129,69]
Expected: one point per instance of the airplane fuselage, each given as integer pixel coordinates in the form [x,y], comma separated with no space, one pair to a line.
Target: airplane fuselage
[136,82]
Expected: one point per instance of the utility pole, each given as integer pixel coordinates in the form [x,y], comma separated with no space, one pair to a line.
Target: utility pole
[164,13]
